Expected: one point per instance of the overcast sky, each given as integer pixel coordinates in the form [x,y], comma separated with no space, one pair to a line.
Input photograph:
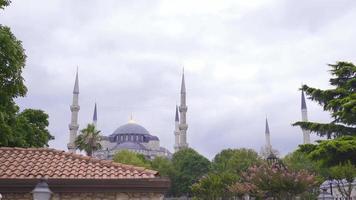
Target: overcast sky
[243,60]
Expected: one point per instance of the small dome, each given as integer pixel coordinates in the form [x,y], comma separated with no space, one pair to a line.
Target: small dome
[131,128]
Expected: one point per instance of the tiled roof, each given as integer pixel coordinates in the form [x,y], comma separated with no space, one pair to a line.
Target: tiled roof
[30,163]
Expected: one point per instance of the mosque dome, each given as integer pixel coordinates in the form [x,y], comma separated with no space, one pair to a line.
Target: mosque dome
[131,128]
[132,132]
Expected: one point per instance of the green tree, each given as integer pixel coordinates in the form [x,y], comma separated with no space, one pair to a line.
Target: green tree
[189,167]
[235,161]
[131,158]
[4,3]
[339,153]
[340,101]
[163,166]
[332,152]
[337,160]
[17,129]
[213,186]
[298,161]
[32,128]
[88,140]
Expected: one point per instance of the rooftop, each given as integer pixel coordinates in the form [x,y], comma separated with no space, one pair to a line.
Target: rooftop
[30,163]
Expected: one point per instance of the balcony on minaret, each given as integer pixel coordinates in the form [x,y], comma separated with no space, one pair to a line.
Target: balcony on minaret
[183,126]
[74,108]
[183,108]
[73,126]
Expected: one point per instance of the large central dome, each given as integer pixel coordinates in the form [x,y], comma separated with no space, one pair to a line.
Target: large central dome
[131,128]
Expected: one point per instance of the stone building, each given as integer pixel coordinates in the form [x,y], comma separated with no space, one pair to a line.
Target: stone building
[75,177]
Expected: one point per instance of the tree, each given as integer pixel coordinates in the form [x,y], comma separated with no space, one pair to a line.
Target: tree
[88,140]
[163,166]
[32,128]
[235,161]
[340,101]
[12,61]
[298,160]
[189,167]
[213,186]
[274,181]
[131,158]
[4,3]
[337,160]
[337,154]
[332,152]
[17,129]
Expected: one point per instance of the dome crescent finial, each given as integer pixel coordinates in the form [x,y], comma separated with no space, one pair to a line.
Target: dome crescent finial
[131,121]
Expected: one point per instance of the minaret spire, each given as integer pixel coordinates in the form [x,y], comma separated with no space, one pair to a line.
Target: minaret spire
[306,133]
[183,126]
[268,139]
[76,84]
[74,108]
[95,116]
[182,88]
[176,132]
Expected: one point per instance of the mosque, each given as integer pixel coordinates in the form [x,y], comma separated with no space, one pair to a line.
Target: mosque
[131,136]
[136,138]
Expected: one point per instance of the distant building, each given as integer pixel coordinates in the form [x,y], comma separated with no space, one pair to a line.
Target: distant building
[131,136]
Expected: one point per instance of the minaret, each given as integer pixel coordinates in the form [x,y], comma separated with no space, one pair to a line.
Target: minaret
[176,132]
[95,116]
[268,139]
[74,108]
[183,126]
[306,133]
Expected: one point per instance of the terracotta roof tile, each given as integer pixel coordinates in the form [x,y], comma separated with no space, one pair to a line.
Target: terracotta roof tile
[28,163]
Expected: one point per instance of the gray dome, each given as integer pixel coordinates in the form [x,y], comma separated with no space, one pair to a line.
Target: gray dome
[131,128]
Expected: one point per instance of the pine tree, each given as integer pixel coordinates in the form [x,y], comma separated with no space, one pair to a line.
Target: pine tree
[340,101]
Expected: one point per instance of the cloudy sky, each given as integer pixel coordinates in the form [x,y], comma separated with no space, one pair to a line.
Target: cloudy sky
[243,60]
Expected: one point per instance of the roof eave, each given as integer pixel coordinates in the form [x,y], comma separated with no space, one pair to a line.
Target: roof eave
[156,185]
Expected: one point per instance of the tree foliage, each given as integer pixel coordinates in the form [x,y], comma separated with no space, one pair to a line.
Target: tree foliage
[332,152]
[4,3]
[163,166]
[17,129]
[31,126]
[235,161]
[340,101]
[88,140]
[298,160]
[213,186]
[273,181]
[189,167]
[131,158]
